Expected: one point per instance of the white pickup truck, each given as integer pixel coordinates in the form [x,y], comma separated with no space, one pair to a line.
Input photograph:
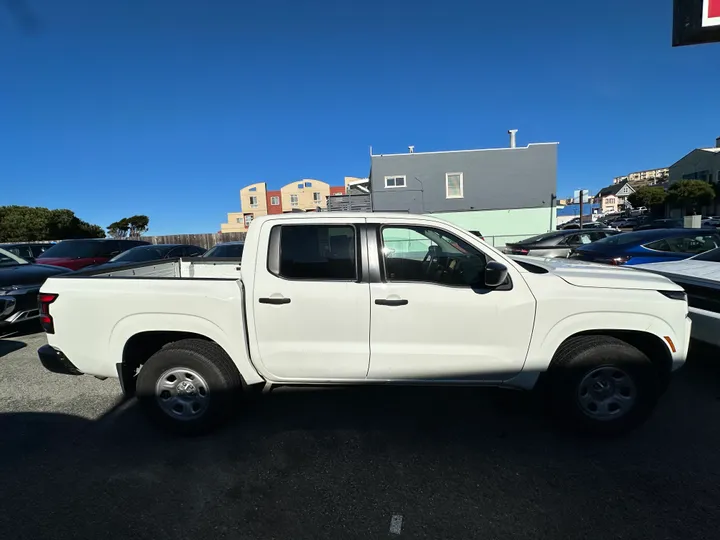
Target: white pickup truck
[369,298]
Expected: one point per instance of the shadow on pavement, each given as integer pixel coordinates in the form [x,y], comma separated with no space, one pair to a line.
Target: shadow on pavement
[340,462]
[8,346]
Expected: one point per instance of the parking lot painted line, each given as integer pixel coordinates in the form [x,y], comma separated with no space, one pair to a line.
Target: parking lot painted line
[396,524]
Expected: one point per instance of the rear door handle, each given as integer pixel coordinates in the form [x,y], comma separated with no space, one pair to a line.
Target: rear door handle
[381,302]
[275,301]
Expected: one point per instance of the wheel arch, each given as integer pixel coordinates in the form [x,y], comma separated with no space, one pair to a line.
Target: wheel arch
[652,345]
[135,339]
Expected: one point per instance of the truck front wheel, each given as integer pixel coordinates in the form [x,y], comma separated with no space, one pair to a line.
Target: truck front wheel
[602,384]
[189,386]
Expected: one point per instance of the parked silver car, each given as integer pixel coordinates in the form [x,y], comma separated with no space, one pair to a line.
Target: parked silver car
[558,243]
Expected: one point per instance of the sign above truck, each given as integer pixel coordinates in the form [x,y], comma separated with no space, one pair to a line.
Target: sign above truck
[695,22]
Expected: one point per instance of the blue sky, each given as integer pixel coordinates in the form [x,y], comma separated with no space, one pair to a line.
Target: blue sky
[167,108]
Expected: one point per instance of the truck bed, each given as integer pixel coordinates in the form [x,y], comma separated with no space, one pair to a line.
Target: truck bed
[98,310]
[189,268]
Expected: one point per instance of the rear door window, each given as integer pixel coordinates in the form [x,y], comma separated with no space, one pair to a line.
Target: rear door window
[318,252]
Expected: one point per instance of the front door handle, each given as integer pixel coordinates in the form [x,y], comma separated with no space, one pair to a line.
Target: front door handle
[400,302]
[276,301]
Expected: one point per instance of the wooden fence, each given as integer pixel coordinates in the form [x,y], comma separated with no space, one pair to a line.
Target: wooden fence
[206,240]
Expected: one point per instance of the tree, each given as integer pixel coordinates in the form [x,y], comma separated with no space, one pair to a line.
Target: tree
[119,229]
[648,196]
[651,197]
[690,194]
[28,223]
[129,227]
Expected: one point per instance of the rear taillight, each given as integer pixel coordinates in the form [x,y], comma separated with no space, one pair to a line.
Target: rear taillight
[519,251]
[46,320]
[615,261]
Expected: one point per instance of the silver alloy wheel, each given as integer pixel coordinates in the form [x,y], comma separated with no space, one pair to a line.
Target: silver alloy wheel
[606,393]
[182,393]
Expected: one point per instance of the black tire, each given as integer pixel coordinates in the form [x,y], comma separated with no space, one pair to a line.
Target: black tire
[214,386]
[619,379]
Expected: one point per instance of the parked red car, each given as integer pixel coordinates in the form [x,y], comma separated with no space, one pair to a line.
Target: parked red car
[77,254]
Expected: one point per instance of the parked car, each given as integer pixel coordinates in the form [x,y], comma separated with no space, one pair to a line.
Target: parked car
[77,254]
[659,224]
[593,225]
[27,250]
[344,299]
[154,252]
[626,223]
[558,243]
[226,250]
[700,277]
[654,245]
[478,234]
[20,283]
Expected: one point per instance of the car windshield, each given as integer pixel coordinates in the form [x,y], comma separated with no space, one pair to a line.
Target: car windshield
[621,239]
[712,256]
[538,238]
[75,250]
[142,254]
[8,259]
[226,250]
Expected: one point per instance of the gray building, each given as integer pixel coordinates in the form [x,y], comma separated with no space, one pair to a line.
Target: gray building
[700,164]
[499,191]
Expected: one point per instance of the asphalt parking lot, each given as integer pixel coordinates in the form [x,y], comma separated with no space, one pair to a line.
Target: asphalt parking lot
[350,463]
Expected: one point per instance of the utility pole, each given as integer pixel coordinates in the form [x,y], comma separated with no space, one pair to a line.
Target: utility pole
[582,191]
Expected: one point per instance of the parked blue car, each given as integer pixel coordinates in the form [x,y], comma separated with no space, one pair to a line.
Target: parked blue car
[657,245]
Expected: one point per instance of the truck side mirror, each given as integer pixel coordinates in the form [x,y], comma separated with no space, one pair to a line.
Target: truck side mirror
[495,274]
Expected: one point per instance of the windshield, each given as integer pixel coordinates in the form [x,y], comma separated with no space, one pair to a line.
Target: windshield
[712,256]
[226,250]
[8,259]
[142,254]
[538,238]
[76,250]
[621,239]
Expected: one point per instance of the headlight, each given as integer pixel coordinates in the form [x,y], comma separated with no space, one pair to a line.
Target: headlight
[675,295]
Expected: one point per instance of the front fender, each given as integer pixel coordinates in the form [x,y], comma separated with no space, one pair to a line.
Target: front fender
[544,344]
[131,325]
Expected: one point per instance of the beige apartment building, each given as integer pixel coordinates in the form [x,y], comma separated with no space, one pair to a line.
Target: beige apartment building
[306,195]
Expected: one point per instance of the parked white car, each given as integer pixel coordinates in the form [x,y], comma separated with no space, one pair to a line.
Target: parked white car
[366,298]
[700,277]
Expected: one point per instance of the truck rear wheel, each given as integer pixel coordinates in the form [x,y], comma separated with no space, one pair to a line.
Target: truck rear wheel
[189,386]
[601,384]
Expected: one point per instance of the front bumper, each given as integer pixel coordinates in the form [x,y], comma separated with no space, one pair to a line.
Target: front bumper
[55,361]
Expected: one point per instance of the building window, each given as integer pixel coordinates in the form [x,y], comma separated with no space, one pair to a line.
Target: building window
[293,200]
[300,185]
[274,201]
[248,219]
[308,184]
[317,252]
[394,181]
[454,185]
[253,202]
[317,198]
[610,200]
[238,220]
[252,189]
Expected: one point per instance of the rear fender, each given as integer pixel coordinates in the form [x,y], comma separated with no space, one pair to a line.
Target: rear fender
[166,322]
